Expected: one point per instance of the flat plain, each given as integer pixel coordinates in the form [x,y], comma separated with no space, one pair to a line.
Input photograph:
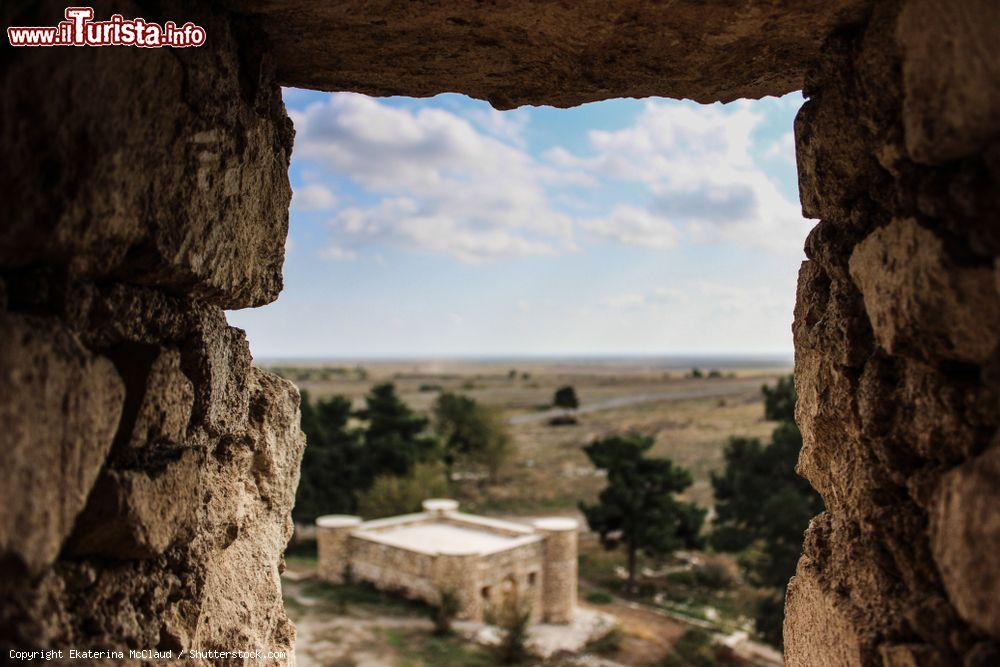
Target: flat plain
[691,418]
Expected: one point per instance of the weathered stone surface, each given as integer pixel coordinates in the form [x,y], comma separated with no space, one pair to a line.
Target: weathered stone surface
[913,655]
[514,52]
[182,546]
[133,514]
[816,631]
[951,76]
[896,336]
[248,523]
[160,397]
[919,302]
[965,538]
[59,408]
[219,363]
[176,179]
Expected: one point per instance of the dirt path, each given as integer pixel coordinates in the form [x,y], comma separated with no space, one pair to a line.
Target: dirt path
[658,630]
[723,389]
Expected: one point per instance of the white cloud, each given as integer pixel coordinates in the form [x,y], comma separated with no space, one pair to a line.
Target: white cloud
[462,183]
[506,125]
[313,197]
[696,166]
[654,298]
[339,253]
[444,186]
[634,226]
[697,313]
[783,148]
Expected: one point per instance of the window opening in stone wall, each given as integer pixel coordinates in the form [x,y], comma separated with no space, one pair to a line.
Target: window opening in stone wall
[492,317]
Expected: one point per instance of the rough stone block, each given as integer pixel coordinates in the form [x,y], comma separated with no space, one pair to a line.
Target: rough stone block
[217,359]
[177,179]
[816,632]
[913,655]
[59,410]
[563,54]
[159,398]
[133,514]
[919,302]
[951,77]
[247,524]
[965,539]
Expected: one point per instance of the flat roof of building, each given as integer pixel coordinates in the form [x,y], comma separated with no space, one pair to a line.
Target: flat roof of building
[442,537]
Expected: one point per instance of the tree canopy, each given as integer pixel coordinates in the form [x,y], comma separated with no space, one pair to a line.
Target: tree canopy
[395,437]
[470,432]
[638,509]
[391,494]
[565,397]
[762,503]
[779,401]
[330,464]
[343,460]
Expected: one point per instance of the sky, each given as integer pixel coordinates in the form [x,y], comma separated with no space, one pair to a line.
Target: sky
[441,227]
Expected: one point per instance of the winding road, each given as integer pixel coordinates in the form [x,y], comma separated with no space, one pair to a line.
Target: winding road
[717,389]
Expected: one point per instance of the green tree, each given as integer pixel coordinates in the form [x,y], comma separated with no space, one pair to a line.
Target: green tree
[332,465]
[761,502]
[393,494]
[779,401]
[565,397]
[499,447]
[638,509]
[395,437]
[470,432]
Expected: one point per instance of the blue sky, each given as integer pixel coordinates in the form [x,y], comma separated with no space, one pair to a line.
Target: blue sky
[442,228]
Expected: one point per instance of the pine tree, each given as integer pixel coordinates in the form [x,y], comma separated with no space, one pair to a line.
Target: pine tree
[395,437]
[638,509]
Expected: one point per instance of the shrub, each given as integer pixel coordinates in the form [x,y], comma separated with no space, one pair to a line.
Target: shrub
[512,619]
[391,495]
[599,597]
[693,649]
[715,573]
[565,397]
[681,578]
[444,612]
[608,643]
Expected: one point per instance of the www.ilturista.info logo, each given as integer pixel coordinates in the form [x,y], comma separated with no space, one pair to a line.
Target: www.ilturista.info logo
[79,29]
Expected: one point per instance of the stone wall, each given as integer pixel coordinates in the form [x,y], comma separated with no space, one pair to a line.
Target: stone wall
[148,469]
[897,327]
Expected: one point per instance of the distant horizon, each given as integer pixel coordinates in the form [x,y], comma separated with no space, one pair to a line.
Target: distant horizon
[679,359]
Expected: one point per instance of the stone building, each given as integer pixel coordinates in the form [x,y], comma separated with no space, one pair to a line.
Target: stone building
[485,562]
